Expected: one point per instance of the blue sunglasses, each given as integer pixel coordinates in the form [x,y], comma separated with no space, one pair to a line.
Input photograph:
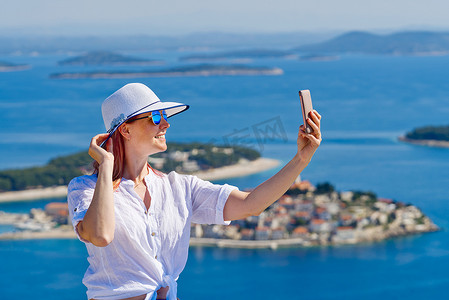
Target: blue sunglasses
[155,117]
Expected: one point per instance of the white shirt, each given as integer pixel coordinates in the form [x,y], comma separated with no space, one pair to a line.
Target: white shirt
[150,248]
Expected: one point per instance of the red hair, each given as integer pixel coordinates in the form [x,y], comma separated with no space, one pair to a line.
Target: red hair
[118,148]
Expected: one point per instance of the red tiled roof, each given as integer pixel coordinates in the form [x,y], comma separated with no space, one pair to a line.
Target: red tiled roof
[318,221]
[320,210]
[57,205]
[300,230]
[263,228]
[300,214]
[63,212]
[303,185]
[247,231]
[385,200]
[57,208]
[346,217]
[342,228]
[278,229]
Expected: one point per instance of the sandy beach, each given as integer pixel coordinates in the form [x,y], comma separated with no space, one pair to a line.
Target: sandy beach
[39,235]
[33,194]
[241,169]
[429,143]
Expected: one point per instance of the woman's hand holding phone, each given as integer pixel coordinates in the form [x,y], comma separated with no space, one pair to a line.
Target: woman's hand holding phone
[309,135]
[306,108]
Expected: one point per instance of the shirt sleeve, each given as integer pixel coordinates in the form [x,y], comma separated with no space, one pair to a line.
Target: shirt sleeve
[79,196]
[208,201]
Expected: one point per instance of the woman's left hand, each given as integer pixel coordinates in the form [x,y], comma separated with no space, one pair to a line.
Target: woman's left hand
[309,142]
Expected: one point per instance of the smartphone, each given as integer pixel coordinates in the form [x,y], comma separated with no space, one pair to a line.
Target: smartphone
[306,106]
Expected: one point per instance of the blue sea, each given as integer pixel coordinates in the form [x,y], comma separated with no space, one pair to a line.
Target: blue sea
[366,103]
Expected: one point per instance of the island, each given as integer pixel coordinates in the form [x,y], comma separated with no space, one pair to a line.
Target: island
[304,216]
[434,136]
[207,161]
[9,67]
[318,57]
[183,71]
[240,55]
[104,58]
[308,215]
[400,43]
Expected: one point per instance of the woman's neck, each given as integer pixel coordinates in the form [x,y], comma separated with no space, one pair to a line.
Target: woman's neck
[136,169]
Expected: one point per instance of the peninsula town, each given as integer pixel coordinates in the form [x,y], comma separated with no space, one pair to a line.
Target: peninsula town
[306,215]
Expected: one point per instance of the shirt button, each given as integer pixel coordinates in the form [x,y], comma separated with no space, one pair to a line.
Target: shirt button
[153,233]
[155,257]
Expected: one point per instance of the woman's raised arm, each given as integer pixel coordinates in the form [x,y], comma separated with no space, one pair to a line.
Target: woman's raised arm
[241,204]
[98,224]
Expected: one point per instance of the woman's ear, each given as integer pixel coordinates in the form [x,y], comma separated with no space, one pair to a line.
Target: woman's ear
[124,131]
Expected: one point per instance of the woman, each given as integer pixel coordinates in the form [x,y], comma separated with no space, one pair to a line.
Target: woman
[135,220]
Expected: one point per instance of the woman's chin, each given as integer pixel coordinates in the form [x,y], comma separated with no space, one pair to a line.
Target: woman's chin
[161,144]
[157,147]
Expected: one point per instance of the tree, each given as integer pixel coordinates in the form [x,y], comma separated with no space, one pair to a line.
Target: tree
[324,188]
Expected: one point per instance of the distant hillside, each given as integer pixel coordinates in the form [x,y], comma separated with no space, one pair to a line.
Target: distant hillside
[20,45]
[103,58]
[402,43]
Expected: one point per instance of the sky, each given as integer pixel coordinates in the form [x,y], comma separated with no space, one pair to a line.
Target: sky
[178,17]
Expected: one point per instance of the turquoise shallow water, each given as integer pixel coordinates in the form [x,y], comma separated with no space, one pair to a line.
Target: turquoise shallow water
[366,102]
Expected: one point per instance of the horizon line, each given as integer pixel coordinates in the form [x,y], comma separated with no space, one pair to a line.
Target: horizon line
[27,34]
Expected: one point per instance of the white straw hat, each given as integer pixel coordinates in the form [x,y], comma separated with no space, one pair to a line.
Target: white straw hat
[131,100]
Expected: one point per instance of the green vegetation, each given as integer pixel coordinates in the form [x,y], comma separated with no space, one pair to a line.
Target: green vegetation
[105,58]
[295,192]
[365,196]
[321,188]
[60,170]
[421,220]
[324,188]
[190,70]
[437,133]
[362,198]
